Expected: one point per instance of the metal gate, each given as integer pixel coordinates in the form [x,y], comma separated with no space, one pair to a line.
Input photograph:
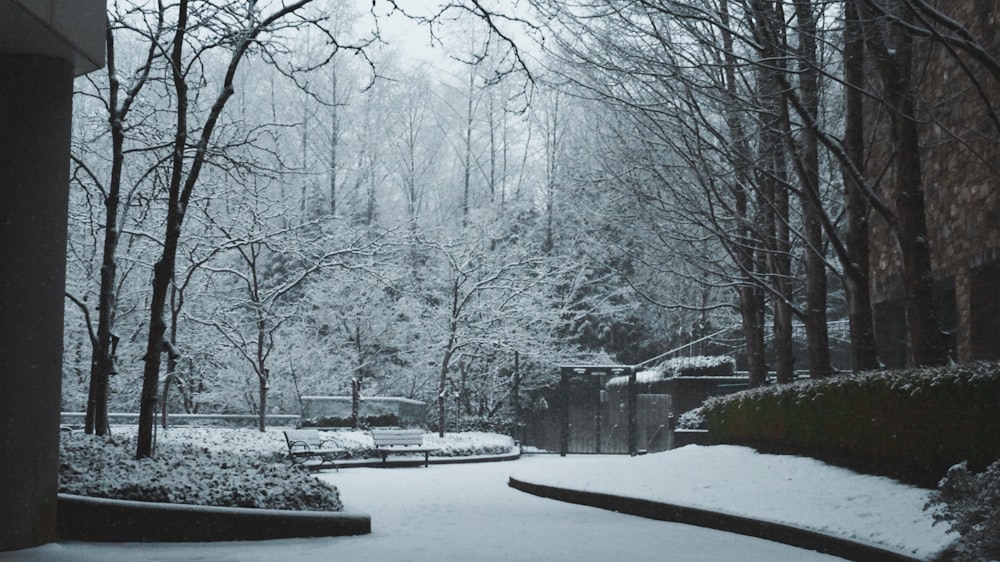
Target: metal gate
[580,416]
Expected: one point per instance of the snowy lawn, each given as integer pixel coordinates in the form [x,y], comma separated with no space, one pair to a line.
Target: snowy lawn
[785,489]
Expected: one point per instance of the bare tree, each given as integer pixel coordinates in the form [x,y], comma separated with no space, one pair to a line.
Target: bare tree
[864,355]
[118,100]
[243,29]
[271,265]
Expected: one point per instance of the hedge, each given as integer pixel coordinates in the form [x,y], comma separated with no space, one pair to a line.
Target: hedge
[910,424]
[364,422]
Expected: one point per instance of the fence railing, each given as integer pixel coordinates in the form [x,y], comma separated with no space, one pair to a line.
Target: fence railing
[249,420]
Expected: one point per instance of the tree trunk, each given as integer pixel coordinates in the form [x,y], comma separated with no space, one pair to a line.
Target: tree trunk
[864,355]
[449,351]
[102,361]
[817,334]
[750,297]
[263,374]
[163,270]
[752,314]
[779,253]
[166,396]
[334,138]
[927,343]
[162,274]
[773,204]
[262,398]
[442,392]
[515,388]
[355,402]
[467,160]
[893,53]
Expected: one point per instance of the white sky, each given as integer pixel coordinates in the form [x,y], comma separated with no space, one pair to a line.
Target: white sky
[413,41]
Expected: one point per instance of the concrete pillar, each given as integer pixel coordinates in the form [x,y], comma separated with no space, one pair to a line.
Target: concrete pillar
[43,44]
[35,118]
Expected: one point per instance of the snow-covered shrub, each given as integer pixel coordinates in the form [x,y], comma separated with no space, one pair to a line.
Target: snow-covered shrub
[970,504]
[469,443]
[364,422]
[700,366]
[187,473]
[692,419]
[498,423]
[360,444]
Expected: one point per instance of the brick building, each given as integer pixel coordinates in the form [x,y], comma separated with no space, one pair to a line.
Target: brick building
[960,144]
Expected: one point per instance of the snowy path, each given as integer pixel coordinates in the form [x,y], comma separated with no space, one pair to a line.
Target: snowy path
[459,512]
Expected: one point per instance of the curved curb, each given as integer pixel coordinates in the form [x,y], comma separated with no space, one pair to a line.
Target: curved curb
[776,532]
[405,461]
[85,518]
[513,456]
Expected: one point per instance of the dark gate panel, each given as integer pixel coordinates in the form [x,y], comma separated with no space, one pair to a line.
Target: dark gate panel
[653,421]
[544,423]
[585,417]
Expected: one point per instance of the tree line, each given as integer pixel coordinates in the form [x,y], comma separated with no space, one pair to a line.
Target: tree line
[269,203]
[769,136]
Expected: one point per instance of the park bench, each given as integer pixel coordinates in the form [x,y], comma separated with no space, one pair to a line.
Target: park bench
[400,442]
[308,450]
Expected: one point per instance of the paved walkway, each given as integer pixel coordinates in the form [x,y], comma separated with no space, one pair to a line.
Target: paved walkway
[458,512]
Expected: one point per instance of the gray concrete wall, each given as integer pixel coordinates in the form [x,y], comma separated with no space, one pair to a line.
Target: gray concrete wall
[410,412]
[105,520]
[35,118]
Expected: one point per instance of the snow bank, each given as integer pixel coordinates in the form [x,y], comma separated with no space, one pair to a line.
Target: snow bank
[784,489]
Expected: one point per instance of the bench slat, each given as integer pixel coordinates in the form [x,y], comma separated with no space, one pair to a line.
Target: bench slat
[400,441]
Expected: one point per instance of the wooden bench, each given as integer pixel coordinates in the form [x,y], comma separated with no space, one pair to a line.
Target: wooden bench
[306,449]
[400,442]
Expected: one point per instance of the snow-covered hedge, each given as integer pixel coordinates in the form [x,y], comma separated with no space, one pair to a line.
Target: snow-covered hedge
[469,443]
[225,470]
[918,421]
[970,504]
[697,366]
[700,366]
[462,444]
[228,467]
[692,419]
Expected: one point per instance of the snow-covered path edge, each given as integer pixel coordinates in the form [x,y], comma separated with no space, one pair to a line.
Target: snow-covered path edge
[777,532]
[796,491]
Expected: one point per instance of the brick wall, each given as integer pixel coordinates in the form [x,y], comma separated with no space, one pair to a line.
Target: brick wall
[961,173]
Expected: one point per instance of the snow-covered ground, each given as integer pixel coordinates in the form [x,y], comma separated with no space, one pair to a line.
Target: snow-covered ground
[451,512]
[785,489]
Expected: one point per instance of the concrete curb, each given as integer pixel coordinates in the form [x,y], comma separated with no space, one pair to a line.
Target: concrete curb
[418,460]
[82,518]
[776,532]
